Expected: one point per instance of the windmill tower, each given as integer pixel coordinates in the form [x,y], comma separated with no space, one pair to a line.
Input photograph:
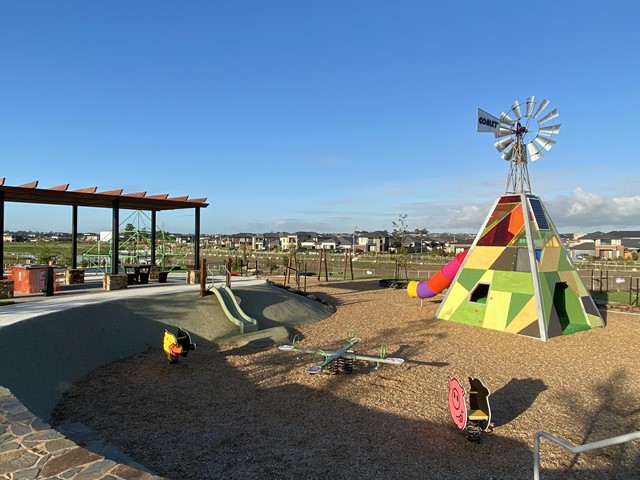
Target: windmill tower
[517,276]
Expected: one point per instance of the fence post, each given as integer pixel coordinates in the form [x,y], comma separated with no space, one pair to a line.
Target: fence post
[203,277]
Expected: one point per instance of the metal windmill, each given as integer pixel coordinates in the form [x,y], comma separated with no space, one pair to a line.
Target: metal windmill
[522,135]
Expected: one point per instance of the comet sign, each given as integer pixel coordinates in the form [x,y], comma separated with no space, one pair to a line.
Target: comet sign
[487,122]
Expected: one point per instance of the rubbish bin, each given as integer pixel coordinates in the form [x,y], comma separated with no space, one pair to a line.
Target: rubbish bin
[162,277]
[28,278]
[144,275]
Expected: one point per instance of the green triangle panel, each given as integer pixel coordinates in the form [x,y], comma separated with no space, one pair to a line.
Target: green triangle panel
[518,301]
[548,282]
[564,265]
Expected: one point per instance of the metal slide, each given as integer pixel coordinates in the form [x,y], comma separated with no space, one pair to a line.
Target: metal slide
[233,311]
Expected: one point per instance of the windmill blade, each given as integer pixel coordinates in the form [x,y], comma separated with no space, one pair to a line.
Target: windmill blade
[508,153]
[534,152]
[551,130]
[541,107]
[504,118]
[502,132]
[504,143]
[544,142]
[530,103]
[551,115]
[515,106]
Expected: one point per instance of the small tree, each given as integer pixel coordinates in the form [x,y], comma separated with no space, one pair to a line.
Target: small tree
[399,235]
[271,264]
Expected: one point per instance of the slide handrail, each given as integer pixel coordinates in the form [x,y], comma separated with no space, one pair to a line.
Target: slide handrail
[575,449]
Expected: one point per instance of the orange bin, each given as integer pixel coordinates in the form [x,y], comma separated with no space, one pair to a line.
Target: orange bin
[29,278]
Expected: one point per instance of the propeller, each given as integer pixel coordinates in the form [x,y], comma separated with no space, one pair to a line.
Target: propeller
[526,129]
[522,134]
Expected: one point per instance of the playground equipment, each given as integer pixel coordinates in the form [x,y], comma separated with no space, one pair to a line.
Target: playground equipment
[232,309]
[135,246]
[477,417]
[435,284]
[341,360]
[176,346]
[517,276]
[575,449]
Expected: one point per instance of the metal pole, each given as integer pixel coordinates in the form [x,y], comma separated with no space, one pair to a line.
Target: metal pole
[153,237]
[579,449]
[49,281]
[74,237]
[115,236]
[196,248]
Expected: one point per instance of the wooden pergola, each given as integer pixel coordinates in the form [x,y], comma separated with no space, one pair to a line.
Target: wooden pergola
[113,199]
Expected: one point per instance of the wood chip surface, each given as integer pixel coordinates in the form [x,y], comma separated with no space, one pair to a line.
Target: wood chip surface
[250,411]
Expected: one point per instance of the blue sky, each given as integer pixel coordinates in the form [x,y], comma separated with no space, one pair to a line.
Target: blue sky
[327,116]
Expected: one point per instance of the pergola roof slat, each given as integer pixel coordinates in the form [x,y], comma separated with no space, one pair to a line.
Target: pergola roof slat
[60,188]
[87,197]
[86,190]
[117,191]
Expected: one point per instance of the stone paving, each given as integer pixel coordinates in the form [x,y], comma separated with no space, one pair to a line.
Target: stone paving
[31,449]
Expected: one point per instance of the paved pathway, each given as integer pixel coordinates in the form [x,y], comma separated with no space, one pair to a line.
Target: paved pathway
[30,449]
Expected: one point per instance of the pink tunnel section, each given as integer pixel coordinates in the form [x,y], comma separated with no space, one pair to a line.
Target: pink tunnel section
[435,284]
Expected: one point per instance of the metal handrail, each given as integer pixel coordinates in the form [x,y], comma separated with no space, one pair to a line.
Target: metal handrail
[575,449]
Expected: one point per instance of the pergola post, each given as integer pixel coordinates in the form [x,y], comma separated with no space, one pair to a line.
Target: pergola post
[153,237]
[74,237]
[196,240]
[115,236]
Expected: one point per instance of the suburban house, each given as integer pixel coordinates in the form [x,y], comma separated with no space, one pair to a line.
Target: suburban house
[586,248]
[371,241]
[606,245]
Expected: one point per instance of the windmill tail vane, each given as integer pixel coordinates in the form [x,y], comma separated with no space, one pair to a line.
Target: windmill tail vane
[522,136]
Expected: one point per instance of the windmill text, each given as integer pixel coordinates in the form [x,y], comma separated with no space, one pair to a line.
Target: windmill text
[487,122]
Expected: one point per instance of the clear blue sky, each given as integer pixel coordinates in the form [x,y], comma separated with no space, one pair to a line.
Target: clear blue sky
[325,116]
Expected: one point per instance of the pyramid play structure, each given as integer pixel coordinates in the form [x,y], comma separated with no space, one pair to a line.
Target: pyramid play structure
[517,276]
